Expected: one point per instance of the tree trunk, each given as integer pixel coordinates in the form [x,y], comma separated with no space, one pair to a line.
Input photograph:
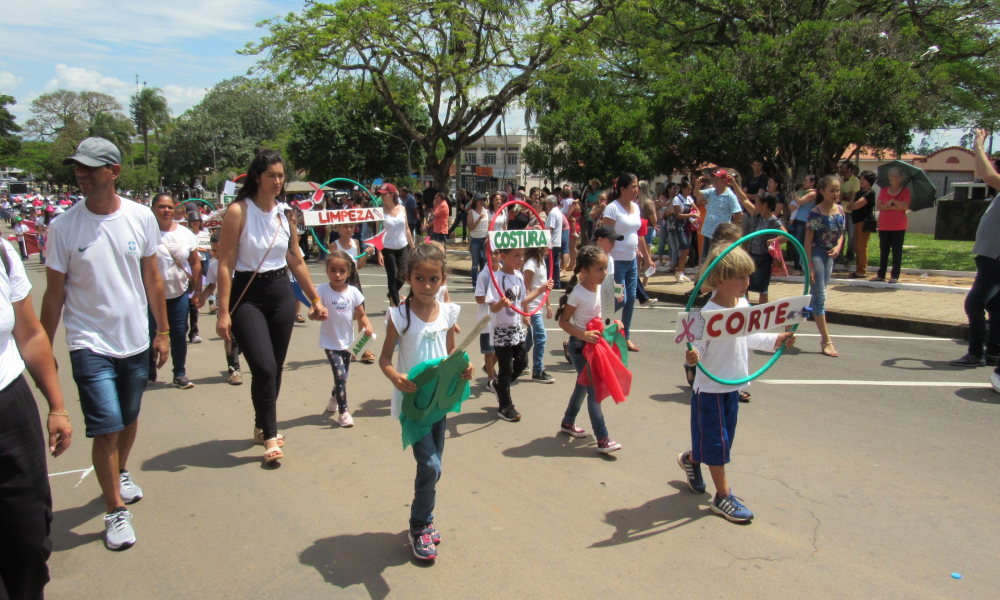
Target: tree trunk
[145,143]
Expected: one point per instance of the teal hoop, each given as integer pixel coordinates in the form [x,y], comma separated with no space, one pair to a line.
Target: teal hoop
[205,202]
[375,202]
[704,275]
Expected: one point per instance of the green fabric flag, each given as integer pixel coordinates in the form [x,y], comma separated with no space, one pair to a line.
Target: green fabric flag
[616,339]
[440,390]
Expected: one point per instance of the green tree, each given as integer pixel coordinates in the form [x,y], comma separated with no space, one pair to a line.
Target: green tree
[116,128]
[149,111]
[10,144]
[223,130]
[54,111]
[471,59]
[336,135]
[138,179]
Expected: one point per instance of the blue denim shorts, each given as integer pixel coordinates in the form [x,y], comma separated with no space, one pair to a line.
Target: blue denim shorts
[110,389]
[713,426]
[484,344]
[564,248]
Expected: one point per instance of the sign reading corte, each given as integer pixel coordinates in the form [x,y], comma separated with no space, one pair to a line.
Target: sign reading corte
[522,238]
[738,322]
[339,217]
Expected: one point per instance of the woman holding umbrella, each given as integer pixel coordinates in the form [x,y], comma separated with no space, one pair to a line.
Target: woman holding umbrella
[893,202]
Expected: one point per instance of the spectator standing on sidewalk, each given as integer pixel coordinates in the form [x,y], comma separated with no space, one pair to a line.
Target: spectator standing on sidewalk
[99,252]
[862,209]
[893,202]
[984,297]
[461,210]
[849,188]
[441,212]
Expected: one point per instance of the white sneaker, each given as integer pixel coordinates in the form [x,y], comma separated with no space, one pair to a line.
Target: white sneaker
[129,491]
[683,278]
[995,381]
[346,420]
[331,405]
[118,532]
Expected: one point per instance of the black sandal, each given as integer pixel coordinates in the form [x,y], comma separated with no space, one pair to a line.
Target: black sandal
[689,372]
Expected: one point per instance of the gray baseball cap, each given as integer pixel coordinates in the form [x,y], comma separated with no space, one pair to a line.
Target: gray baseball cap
[95,152]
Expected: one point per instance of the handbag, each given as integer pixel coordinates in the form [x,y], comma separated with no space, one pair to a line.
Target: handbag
[871,224]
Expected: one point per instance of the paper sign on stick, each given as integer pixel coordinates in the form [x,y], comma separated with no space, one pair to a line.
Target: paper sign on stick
[741,321]
[229,188]
[522,238]
[314,218]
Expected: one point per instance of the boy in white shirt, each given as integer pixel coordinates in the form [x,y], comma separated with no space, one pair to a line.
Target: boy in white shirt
[483,282]
[715,406]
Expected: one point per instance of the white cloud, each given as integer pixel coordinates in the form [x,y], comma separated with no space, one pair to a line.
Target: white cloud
[181,98]
[8,82]
[79,79]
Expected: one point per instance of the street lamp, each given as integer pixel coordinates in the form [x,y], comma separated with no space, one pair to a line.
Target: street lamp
[409,168]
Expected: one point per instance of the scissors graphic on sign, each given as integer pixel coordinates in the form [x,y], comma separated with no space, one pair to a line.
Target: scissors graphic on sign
[687,334]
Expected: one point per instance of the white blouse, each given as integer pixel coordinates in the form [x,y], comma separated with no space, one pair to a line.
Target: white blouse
[257,234]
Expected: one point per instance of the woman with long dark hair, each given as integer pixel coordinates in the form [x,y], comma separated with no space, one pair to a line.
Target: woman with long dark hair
[478,225]
[623,216]
[256,304]
[396,243]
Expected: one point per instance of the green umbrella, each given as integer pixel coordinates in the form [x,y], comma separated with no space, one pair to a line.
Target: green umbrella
[922,191]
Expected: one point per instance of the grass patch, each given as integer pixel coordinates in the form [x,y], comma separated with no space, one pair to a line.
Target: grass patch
[928,253]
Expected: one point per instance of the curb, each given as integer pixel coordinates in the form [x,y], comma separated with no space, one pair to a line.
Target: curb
[940,329]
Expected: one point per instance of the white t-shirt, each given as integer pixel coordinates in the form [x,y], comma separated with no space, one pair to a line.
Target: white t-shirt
[180,243]
[537,280]
[420,342]
[483,282]
[506,324]
[554,223]
[213,272]
[258,232]
[566,203]
[105,308]
[587,306]
[395,230]
[441,292]
[626,224]
[204,243]
[479,231]
[19,230]
[607,291]
[728,358]
[337,332]
[13,288]
[501,222]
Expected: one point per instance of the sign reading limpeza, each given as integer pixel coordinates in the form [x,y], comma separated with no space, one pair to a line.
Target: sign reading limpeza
[523,238]
[314,218]
[741,321]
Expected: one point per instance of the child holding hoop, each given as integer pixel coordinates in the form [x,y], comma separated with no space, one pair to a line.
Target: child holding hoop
[715,406]
[506,327]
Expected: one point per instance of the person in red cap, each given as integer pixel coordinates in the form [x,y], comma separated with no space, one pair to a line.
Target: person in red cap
[719,204]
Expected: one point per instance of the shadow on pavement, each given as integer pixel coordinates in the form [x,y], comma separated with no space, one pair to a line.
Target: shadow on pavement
[347,560]
[654,517]
[64,521]
[484,417]
[559,445]
[984,395]
[919,364]
[373,408]
[324,419]
[216,454]
[681,397]
[295,365]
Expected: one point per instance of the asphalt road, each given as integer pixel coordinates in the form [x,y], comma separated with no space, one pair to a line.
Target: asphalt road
[859,491]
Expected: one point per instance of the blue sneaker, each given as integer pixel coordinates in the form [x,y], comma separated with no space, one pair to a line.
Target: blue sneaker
[423,545]
[732,508]
[693,471]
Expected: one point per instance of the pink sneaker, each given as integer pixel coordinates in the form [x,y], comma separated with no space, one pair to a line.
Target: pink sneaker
[346,420]
[573,430]
[607,445]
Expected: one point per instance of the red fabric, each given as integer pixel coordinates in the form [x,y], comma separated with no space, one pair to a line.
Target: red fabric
[644,228]
[892,220]
[611,378]
[376,240]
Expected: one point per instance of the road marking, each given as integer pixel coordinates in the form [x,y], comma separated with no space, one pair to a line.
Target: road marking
[864,337]
[978,384]
[84,472]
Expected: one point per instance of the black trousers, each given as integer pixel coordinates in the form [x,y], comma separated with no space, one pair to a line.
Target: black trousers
[25,499]
[890,241]
[461,217]
[511,363]
[263,323]
[304,244]
[982,301]
[395,267]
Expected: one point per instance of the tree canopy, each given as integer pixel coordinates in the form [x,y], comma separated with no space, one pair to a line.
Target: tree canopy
[10,143]
[470,59]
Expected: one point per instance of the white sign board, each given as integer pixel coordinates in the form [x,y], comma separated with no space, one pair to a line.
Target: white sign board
[229,189]
[314,218]
[522,238]
[701,325]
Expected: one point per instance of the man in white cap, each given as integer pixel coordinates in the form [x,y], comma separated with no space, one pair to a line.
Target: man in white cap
[101,269]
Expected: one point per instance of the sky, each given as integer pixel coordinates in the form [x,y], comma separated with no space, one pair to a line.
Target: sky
[183,47]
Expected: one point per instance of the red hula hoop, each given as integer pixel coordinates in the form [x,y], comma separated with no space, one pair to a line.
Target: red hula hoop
[489,260]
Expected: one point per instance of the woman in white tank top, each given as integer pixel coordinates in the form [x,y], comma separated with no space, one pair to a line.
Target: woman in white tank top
[256,304]
[478,225]
[396,243]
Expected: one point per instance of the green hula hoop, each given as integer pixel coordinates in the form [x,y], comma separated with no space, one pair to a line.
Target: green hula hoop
[704,275]
[375,202]
[205,202]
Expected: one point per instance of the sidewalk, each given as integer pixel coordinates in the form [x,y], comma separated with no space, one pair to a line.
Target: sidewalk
[884,307]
